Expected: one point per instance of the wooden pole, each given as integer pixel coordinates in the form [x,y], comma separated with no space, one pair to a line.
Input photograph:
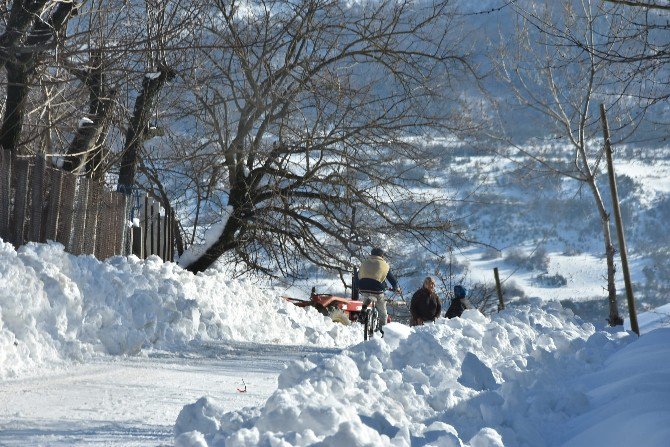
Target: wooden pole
[37,198]
[501,302]
[152,228]
[6,161]
[619,224]
[171,241]
[354,273]
[145,215]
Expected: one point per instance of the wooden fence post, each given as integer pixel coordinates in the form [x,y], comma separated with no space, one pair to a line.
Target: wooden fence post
[21,201]
[136,232]
[37,198]
[146,217]
[105,225]
[122,219]
[166,219]
[94,206]
[55,203]
[79,217]
[632,313]
[5,194]
[172,230]
[67,207]
[159,233]
[501,302]
[152,217]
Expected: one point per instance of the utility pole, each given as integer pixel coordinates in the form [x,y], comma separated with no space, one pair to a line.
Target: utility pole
[619,224]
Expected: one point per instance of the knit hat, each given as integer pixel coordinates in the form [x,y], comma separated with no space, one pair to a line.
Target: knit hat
[377,252]
[459,291]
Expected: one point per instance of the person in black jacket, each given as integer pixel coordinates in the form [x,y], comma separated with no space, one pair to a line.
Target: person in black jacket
[425,304]
[459,303]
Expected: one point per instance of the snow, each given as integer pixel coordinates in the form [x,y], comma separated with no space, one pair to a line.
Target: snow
[136,352]
[211,236]
[77,307]
[532,375]
[84,122]
[129,352]
[134,401]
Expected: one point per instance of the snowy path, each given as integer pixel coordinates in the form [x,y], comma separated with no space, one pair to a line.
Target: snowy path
[135,401]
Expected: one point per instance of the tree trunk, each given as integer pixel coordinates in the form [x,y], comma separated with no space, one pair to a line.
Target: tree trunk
[137,129]
[20,18]
[21,67]
[85,151]
[240,203]
[17,92]
[614,318]
[224,243]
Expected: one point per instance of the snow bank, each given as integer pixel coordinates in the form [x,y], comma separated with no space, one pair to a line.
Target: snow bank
[56,306]
[516,379]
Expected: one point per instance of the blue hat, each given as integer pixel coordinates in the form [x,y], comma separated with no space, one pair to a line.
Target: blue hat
[459,291]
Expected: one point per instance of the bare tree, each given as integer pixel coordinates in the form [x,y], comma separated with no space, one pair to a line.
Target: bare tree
[642,4]
[306,110]
[31,29]
[555,75]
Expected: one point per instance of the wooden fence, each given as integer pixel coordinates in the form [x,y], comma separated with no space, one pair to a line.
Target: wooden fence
[153,229]
[40,203]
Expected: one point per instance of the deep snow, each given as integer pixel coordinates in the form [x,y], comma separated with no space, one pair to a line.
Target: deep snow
[56,307]
[533,375]
[95,335]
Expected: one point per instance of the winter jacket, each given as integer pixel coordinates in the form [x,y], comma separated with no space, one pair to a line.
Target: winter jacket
[425,306]
[373,273]
[457,306]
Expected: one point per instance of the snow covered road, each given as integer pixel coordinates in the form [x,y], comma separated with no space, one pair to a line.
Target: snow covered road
[134,401]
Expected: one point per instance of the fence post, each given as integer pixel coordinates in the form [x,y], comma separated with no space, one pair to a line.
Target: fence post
[79,217]
[501,302]
[166,219]
[55,195]
[152,208]
[137,232]
[67,208]
[105,225]
[145,215]
[619,224]
[5,193]
[123,232]
[93,213]
[159,233]
[173,228]
[168,234]
[21,201]
[37,198]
